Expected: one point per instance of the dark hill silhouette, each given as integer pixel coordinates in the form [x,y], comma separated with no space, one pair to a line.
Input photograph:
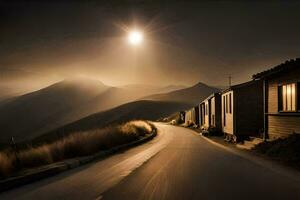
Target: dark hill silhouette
[33,114]
[192,95]
[148,110]
[171,88]
[27,115]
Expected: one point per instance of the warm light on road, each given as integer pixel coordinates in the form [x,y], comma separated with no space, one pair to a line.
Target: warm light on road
[135,37]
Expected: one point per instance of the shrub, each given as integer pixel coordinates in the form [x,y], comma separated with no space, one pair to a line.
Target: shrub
[6,164]
[283,149]
[36,156]
[74,145]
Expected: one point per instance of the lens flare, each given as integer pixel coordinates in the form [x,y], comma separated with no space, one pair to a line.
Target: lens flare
[135,37]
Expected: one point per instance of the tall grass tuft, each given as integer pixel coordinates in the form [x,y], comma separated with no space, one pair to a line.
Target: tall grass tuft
[6,164]
[74,145]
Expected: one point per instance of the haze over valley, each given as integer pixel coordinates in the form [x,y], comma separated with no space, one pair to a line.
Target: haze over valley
[31,115]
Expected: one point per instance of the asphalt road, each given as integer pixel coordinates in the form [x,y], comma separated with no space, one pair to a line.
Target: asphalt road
[177,164]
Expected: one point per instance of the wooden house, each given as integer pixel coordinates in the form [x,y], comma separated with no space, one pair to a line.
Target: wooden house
[281,99]
[242,110]
[210,112]
[195,115]
[204,108]
[192,116]
[188,117]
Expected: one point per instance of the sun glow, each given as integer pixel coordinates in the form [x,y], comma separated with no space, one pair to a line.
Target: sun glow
[135,37]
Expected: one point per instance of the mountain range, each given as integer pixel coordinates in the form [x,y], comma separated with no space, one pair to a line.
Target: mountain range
[141,110]
[34,114]
[190,95]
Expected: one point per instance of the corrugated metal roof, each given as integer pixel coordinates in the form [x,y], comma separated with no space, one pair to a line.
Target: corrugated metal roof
[239,86]
[288,65]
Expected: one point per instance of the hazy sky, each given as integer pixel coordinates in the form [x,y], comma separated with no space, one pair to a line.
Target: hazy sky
[185,41]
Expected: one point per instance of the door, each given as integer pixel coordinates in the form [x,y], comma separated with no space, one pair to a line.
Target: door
[224,110]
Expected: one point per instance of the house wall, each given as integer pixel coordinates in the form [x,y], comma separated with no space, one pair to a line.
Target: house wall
[249,110]
[200,115]
[196,109]
[188,117]
[227,118]
[292,76]
[193,115]
[217,111]
[212,112]
[280,124]
[206,115]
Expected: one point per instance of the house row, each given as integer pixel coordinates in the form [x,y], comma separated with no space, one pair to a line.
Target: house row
[191,116]
[267,107]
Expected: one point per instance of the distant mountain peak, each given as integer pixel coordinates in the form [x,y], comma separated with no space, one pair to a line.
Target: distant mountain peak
[82,80]
[201,84]
[190,95]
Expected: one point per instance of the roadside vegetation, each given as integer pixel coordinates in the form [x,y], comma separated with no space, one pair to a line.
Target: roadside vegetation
[174,119]
[285,150]
[73,145]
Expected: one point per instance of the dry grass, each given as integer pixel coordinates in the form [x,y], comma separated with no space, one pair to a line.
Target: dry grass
[74,145]
[6,164]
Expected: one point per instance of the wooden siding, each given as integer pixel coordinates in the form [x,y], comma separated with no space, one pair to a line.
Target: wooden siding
[188,117]
[215,113]
[206,115]
[278,124]
[193,116]
[273,97]
[282,126]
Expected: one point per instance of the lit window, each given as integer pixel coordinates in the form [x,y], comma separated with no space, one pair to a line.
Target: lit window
[288,97]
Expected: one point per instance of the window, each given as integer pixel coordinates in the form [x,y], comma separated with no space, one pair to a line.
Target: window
[288,97]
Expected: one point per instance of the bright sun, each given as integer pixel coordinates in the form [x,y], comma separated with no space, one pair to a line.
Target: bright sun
[135,37]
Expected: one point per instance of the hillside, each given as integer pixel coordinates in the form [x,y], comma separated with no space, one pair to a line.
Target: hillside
[148,110]
[33,114]
[28,115]
[146,90]
[192,95]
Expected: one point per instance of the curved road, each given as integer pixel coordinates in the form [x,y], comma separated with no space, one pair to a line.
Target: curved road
[177,164]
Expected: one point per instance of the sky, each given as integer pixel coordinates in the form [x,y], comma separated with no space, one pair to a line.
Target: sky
[185,42]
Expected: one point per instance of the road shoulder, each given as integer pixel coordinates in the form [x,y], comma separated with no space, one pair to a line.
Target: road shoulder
[46,171]
[251,156]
